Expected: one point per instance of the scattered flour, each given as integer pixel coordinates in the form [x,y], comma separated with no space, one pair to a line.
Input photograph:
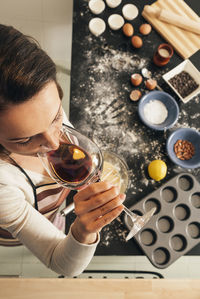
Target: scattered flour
[113,232]
[111,119]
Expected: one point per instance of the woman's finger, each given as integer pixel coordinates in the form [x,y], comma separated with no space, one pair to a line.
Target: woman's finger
[107,218]
[92,190]
[105,209]
[94,202]
[90,225]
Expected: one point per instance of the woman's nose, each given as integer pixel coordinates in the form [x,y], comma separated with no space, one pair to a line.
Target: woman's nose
[51,139]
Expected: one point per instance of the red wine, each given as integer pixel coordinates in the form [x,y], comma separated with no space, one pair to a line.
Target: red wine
[70,163]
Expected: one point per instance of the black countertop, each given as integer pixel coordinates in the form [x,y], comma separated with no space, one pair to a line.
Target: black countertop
[100,108]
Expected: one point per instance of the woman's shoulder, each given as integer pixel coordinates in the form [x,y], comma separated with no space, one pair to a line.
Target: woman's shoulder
[11,175]
[13,183]
[7,170]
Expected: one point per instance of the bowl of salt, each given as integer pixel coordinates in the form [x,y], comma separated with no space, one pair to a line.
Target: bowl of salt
[158,110]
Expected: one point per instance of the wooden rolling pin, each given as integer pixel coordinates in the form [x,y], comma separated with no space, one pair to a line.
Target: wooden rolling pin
[172,18]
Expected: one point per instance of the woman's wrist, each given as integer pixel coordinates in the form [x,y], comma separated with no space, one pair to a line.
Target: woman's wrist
[82,236]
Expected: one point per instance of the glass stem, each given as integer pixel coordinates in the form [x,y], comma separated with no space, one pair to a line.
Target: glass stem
[130,214]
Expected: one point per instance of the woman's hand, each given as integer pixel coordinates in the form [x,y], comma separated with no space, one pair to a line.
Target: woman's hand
[95,206]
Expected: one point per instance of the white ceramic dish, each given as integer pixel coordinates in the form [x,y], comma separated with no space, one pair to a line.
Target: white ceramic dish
[187,66]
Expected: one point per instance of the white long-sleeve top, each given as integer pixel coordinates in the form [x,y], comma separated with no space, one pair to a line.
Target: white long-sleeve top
[63,254]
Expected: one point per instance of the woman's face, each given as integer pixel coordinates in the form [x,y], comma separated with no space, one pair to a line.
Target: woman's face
[25,127]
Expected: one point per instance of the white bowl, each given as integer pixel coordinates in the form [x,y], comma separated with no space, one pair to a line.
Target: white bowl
[187,66]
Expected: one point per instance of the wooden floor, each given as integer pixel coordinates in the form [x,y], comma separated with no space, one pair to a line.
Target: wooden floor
[16,288]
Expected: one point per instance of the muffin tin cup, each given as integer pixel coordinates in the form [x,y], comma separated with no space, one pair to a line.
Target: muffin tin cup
[175,227]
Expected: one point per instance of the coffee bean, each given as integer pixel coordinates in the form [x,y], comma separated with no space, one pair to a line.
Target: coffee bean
[183,83]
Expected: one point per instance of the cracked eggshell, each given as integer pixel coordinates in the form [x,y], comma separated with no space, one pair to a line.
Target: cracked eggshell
[115,21]
[151,84]
[136,79]
[135,95]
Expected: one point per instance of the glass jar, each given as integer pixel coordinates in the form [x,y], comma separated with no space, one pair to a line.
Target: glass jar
[163,54]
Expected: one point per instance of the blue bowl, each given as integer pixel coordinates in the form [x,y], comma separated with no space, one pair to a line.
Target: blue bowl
[185,134]
[168,101]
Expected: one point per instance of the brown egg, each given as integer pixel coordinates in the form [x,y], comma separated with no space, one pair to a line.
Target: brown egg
[136,41]
[145,29]
[128,29]
[135,95]
[151,84]
[136,79]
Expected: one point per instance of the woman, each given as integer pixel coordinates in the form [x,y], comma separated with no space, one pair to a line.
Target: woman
[31,116]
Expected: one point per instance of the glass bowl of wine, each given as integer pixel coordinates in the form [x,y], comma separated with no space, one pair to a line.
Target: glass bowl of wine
[115,170]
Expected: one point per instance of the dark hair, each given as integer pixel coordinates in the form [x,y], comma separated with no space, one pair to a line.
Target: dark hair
[24,67]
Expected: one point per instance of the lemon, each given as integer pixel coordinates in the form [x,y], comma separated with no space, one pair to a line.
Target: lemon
[157,170]
[78,154]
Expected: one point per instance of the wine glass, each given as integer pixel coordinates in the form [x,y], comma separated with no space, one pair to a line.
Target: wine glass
[77,163]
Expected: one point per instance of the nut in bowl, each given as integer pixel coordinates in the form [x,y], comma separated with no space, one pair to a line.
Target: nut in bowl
[183,147]
[158,110]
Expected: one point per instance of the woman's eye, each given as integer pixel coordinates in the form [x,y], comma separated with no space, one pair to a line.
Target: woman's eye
[58,117]
[24,142]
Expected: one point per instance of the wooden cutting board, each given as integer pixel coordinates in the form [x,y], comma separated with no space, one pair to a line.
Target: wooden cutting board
[184,42]
[62,288]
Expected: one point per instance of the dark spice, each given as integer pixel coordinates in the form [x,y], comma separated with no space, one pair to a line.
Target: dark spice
[183,83]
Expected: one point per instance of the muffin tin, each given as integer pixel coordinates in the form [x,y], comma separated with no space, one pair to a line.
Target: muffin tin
[175,227]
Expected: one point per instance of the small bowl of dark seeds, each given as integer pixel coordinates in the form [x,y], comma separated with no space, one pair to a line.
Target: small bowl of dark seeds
[183,147]
[184,79]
